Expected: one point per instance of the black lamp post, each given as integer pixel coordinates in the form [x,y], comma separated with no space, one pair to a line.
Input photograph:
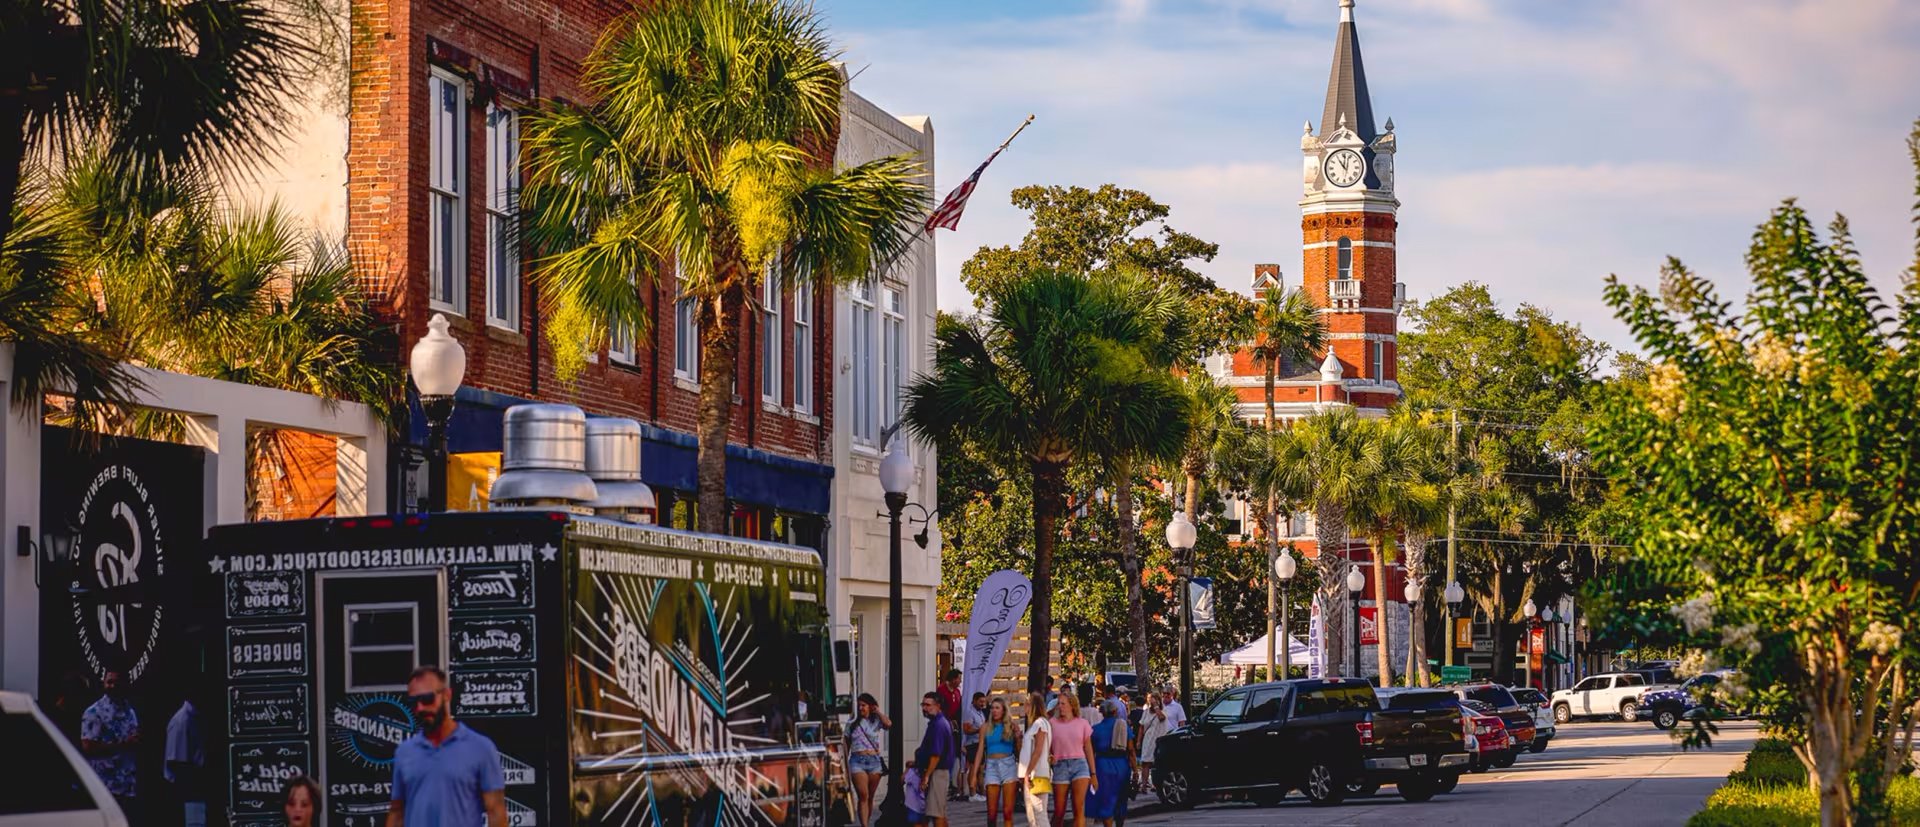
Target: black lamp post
[1181,535]
[438,363]
[896,475]
[1454,595]
[1284,567]
[1355,582]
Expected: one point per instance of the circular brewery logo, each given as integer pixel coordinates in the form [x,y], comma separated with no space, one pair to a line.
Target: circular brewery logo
[119,547]
[367,729]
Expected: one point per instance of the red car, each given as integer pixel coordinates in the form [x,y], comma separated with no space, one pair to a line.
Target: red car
[1487,737]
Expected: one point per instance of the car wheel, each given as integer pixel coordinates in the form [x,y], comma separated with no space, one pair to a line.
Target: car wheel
[1539,745]
[1417,788]
[1666,719]
[1324,787]
[1630,711]
[1479,764]
[1561,714]
[1175,790]
[1506,759]
[1448,782]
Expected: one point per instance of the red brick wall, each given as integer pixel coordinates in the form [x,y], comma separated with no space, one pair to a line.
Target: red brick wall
[1377,271]
[540,44]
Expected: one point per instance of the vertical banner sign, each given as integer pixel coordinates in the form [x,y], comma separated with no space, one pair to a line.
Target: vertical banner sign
[1202,590]
[1463,633]
[1369,626]
[1536,648]
[1316,642]
[997,608]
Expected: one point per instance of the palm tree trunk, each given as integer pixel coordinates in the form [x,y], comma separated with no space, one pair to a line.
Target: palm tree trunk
[719,346]
[1381,548]
[1130,562]
[1270,522]
[1329,529]
[1049,483]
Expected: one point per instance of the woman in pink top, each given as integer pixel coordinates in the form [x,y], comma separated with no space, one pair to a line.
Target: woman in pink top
[1072,772]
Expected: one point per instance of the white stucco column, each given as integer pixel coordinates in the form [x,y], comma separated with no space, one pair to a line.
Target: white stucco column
[19,506]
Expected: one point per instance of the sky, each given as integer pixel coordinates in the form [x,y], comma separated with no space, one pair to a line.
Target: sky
[1543,144]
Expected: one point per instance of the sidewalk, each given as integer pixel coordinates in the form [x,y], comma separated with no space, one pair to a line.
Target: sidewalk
[973,814]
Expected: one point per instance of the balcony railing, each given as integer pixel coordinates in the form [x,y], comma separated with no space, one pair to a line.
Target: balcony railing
[1340,289]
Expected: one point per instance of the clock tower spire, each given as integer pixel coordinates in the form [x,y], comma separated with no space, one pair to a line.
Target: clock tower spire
[1348,225]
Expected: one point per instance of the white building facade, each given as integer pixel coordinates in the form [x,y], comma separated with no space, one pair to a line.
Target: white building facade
[883,337]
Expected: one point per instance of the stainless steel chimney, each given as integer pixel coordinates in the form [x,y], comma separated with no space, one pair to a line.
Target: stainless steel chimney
[613,461]
[543,455]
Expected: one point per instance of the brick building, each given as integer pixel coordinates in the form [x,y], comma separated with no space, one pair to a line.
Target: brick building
[409,148]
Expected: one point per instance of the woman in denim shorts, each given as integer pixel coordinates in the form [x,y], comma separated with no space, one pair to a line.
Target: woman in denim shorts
[864,743]
[1072,774]
[995,761]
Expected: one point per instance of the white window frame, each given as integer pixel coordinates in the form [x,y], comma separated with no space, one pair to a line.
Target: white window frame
[1343,258]
[621,344]
[686,331]
[1379,360]
[803,346]
[893,350]
[503,202]
[862,339]
[446,181]
[771,365]
[413,628]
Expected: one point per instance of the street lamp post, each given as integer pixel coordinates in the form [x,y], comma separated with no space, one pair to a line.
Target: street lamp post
[1527,612]
[1181,535]
[1413,602]
[896,474]
[1546,623]
[1454,594]
[1355,582]
[437,363]
[1284,567]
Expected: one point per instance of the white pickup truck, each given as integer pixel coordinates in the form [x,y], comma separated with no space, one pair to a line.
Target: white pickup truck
[1613,693]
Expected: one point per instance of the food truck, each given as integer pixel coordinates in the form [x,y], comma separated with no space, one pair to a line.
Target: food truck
[629,674]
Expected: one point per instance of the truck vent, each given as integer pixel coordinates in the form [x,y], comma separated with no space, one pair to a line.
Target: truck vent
[543,454]
[613,461]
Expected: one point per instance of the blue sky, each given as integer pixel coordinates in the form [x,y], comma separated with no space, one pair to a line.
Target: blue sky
[1543,143]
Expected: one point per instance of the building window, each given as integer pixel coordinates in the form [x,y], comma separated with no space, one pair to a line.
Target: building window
[770,362]
[503,195]
[446,187]
[1346,258]
[862,404]
[803,346]
[383,645]
[1379,361]
[892,354]
[620,340]
[686,340]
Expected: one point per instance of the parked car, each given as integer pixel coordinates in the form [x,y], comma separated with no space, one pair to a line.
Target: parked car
[1657,675]
[1668,707]
[1543,725]
[1492,746]
[50,785]
[1312,735]
[1613,693]
[1516,716]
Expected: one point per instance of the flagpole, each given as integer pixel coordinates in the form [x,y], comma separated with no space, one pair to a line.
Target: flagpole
[887,265]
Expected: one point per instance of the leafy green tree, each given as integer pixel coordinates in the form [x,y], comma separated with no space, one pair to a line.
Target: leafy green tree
[1321,460]
[1057,366]
[1771,458]
[709,147]
[1287,330]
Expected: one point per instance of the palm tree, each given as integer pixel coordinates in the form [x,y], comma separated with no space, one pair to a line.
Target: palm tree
[162,86]
[1398,489]
[1287,329]
[1057,368]
[1319,460]
[709,147]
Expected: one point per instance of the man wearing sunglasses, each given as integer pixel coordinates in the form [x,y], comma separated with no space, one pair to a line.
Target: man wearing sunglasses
[446,774]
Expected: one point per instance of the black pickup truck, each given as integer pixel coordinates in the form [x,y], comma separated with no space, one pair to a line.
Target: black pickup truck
[1321,737]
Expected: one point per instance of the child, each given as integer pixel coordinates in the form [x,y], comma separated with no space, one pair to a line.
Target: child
[916,797]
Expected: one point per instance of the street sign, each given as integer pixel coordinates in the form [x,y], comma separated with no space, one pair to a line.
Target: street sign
[1452,674]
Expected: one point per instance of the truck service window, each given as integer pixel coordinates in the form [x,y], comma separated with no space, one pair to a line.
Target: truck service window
[382,647]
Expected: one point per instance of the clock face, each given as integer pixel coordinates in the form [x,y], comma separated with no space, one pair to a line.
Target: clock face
[1344,168]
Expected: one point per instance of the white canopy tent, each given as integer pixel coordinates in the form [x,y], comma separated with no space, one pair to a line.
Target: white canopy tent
[1255,654]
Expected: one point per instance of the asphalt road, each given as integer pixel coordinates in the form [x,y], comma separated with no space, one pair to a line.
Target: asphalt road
[1597,773]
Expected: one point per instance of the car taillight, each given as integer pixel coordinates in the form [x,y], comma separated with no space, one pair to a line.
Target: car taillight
[1365,728]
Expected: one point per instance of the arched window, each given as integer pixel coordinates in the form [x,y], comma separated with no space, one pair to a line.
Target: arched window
[1346,258]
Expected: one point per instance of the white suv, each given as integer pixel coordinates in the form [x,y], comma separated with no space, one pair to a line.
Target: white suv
[46,783]
[1614,693]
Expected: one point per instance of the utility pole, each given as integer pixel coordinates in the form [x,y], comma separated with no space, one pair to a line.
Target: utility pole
[1453,461]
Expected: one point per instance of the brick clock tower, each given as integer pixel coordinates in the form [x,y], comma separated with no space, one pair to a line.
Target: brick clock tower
[1348,223]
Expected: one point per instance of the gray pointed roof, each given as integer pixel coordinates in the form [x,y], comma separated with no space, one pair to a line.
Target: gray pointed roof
[1347,85]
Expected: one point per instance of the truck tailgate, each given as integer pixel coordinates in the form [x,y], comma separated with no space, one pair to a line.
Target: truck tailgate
[1404,731]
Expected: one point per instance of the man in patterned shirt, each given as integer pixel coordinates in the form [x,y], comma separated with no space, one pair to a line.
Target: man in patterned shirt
[109,733]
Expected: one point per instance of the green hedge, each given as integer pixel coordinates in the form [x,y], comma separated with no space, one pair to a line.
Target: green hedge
[1770,790]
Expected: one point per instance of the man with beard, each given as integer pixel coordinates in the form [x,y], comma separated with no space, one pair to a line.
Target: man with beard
[109,733]
[446,773]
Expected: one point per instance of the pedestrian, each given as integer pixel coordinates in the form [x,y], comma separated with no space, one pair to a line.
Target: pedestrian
[951,705]
[971,722]
[1153,724]
[300,801]
[1112,766]
[1090,703]
[865,764]
[1050,693]
[934,758]
[109,733]
[1036,760]
[446,773]
[1119,699]
[916,797]
[1071,748]
[186,765]
[1176,714]
[996,768]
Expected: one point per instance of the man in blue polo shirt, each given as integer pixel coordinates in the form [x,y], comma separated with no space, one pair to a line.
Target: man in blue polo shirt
[446,774]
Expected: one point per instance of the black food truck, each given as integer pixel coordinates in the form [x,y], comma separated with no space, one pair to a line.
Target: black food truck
[629,674]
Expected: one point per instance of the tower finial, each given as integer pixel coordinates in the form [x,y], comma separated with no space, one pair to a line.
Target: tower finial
[1346,11]
[1306,128]
[1343,120]
[1389,124]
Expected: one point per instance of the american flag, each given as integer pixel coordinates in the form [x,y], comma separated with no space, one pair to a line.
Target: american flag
[947,215]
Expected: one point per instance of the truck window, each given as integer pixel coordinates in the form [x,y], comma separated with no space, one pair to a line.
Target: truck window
[1629,680]
[40,779]
[1227,710]
[1326,700]
[1421,700]
[1587,685]
[1267,704]
[1493,696]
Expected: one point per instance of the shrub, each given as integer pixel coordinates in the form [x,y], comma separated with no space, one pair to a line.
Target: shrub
[1770,790]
